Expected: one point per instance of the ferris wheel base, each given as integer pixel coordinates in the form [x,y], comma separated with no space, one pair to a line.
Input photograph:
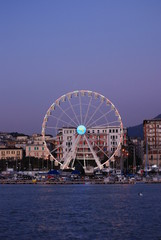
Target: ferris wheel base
[89,170]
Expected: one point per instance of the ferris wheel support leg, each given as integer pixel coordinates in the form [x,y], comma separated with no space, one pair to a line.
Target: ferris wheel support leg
[71,155]
[73,162]
[94,154]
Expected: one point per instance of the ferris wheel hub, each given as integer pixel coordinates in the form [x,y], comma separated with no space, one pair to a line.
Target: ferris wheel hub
[81,129]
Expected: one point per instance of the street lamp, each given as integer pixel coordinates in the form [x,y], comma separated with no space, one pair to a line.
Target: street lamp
[19,166]
[6,166]
[122,155]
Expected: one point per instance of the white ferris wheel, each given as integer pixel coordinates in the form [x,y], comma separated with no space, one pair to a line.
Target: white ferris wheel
[85,129]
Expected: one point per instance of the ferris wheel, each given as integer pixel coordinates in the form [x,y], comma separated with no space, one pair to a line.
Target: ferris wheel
[84,128]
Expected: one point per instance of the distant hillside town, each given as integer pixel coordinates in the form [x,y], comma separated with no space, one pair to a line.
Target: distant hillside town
[24,152]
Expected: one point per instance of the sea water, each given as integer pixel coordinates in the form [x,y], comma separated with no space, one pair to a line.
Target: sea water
[62,212]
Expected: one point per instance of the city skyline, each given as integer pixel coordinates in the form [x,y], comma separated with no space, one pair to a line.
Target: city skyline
[50,49]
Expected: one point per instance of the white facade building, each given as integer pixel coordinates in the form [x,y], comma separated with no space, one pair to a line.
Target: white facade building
[104,142]
[36,148]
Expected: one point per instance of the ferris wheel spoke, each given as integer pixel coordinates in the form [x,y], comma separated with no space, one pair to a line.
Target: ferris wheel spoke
[89,104]
[60,145]
[94,113]
[96,158]
[107,124]
[59,119]
[68,116]
[73,110]
[52,127]
[100,113]
[99,118]
[75,105]
[80,103]
[52,139]
[117,121]
[101,150]
[84,153]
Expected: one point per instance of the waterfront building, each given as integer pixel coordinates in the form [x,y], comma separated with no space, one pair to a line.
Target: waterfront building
[136,154]
[124,153]
[36,148]
[105,139]
[22,141]
[11,153]
[152,142]
[37,151]
[22,138]
[138,146]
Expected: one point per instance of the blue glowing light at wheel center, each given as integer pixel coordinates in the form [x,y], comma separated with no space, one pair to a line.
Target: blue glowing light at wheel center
[81,129]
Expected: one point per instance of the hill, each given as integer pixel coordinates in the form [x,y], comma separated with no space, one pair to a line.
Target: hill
[136,131]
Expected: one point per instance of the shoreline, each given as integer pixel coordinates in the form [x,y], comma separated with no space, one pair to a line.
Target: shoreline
[6,182]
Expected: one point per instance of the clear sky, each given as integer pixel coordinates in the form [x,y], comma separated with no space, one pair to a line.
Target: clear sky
[51,47]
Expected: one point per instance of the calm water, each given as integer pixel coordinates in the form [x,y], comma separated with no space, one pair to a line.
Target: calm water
[80,212]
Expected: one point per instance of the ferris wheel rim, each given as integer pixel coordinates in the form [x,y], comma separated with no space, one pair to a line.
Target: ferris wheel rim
[68,96]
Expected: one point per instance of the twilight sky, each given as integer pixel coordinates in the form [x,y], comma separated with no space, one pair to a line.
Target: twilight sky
[51,47]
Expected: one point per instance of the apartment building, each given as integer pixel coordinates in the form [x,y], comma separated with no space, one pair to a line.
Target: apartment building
[104,142]
[36,148]
[11,153]
[152,142]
